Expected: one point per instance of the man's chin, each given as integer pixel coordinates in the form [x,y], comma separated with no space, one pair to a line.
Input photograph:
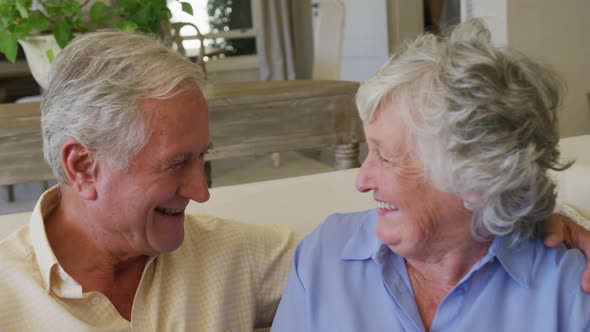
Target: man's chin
[167,239]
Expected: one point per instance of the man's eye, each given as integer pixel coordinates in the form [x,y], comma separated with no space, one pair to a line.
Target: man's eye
[178,163]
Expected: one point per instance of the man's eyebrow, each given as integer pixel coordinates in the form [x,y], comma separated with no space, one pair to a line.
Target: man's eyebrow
[187,155]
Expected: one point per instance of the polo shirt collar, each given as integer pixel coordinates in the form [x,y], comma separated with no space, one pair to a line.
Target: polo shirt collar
[363,243]
[517,259]
[44,255]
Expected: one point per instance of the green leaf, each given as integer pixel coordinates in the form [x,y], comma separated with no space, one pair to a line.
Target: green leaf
[126,26]
[101,13]
[167,14]
[8,45]
[62,33]
[21,30]
[38,22]
[69,8]
[50,55]
[22,10]
[187,7]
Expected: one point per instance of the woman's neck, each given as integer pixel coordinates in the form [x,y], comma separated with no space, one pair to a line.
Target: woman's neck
[434,276]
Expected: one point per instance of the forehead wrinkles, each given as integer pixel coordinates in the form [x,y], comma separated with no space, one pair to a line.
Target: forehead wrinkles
[393,137]
[397,147]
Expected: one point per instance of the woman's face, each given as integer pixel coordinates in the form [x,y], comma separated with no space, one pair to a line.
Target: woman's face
[415,218]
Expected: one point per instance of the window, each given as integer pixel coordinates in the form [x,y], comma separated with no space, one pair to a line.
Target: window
[227,26]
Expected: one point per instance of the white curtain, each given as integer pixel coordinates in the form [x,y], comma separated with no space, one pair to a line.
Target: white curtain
[275,40]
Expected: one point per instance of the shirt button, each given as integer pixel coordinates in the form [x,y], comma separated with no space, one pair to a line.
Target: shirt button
[95,300]
[460,291]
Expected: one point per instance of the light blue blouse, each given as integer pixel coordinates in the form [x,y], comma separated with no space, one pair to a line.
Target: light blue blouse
[344,279]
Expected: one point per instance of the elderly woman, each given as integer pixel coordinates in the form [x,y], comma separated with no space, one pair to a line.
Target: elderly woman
[461,136]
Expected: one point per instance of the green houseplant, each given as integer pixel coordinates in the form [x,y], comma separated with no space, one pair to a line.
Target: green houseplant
[20,19]
[44,27]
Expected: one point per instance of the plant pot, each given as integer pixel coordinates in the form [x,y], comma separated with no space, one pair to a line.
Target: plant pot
[36,48]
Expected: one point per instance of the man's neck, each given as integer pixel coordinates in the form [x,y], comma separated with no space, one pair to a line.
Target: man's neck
[90,260]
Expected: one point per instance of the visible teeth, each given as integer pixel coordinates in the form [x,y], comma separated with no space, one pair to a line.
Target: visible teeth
[387,206]
[168,211]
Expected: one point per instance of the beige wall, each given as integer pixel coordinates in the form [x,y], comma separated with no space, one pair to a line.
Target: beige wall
[303,39]
[405,22]
[557,35]
[556,32]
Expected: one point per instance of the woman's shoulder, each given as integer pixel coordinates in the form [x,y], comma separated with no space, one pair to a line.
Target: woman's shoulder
[339,227]
[546,270]
[332,239]
[556,275]
[561,262]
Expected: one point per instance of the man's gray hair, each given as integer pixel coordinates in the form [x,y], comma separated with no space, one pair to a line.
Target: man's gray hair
[482,119]
[94,87]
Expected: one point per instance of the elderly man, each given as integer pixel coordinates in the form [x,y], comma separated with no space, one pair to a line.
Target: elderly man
[125,129]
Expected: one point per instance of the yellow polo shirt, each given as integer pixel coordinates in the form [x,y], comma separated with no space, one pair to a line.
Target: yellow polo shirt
[226,276]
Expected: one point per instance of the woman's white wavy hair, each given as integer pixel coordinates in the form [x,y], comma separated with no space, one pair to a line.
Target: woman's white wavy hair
[94,87]
[482,119]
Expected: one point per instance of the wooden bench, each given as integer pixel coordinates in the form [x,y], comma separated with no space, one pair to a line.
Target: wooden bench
[247,118]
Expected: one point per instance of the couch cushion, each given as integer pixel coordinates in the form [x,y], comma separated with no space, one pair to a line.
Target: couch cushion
[301,203]
[573,185]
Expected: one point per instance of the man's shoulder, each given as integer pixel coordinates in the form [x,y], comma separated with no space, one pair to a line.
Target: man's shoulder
[218,226]
[16,247]
[202,228]
[18,268]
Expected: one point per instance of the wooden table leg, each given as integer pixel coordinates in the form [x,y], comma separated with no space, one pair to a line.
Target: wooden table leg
[346,156]
[276,159]
[207,169]
[10,192]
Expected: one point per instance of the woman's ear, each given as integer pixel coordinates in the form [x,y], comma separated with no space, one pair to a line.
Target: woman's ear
[79,166]
[472,200]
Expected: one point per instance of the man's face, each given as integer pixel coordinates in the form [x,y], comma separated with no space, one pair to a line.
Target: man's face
[145,204]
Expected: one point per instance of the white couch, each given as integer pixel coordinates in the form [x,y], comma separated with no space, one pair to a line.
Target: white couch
[303,202]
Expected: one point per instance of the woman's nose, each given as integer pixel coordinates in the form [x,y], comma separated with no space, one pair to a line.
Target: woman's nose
[364,179]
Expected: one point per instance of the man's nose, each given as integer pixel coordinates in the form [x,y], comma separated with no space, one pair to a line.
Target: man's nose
[194,185]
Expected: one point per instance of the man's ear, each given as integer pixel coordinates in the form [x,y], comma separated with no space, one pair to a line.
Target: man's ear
[80,168]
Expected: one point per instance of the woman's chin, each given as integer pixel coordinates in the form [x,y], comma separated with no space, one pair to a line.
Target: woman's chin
[396,239]
[387,233]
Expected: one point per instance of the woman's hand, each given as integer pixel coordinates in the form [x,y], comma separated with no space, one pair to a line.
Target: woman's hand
[562,229]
